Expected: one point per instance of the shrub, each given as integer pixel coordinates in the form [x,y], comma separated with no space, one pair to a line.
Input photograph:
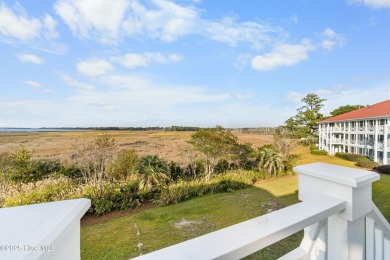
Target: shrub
[318,152]
[309,140]
[175,171]
[222,166]
[114,196]
[340,155]
[31,171]
[354,157]
[368,164]
[123,166]
[43,191]
[362,159]
[383,169]
[72,172]
[194,170]
[184,190]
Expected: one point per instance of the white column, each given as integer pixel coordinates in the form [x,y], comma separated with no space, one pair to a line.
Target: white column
[345,230]
[385,149]
[319,137]
[376,141]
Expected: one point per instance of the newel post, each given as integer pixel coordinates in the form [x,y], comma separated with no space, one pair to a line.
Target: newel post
[345,231]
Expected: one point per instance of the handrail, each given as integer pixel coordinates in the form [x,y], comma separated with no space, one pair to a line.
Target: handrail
[247,237]
[380,220]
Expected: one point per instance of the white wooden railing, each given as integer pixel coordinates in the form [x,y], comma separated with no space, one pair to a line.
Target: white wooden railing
[337,214]
[42,231]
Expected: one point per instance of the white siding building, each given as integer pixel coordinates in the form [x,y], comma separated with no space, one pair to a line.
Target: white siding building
[365,131]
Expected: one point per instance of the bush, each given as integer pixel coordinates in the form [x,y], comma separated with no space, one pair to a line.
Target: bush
[43,191]
[114,196]
[221,166]
[124,166]
[175,171]
[368,164]
[72,172]
[351,157]
[340,155]
[383,169]
[309,140]
[318,152]
[194,170]
[31,171]
[185,190]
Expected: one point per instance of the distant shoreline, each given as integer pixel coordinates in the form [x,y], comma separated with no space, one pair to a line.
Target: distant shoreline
[262,130]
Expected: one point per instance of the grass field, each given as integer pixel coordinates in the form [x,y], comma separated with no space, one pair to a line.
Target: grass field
[155,228]
[165,144]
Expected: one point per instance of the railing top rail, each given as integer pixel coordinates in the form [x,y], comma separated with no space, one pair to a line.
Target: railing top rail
[38,224]
[247,237]
[343,175]
[380,220]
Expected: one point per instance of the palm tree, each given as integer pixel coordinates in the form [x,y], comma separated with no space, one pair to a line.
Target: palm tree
[153,172]
[271,161]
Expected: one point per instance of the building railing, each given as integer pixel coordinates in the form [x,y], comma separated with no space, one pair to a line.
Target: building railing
[336,213]
[42,231]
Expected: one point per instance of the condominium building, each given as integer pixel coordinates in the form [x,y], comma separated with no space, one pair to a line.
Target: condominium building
[365,131]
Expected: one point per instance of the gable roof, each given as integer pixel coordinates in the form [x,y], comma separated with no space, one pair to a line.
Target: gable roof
[377,110]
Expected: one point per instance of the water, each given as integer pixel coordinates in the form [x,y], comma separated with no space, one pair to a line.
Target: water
[41,129]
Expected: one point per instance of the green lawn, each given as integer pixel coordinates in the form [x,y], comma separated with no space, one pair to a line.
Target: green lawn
[155,228]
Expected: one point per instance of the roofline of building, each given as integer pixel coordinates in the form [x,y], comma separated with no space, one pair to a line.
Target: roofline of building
[354,119]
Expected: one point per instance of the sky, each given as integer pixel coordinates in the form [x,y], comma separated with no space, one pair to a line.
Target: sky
[128,63]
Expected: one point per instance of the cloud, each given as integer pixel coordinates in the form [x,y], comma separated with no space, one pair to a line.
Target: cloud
[16,24]
[373,3]
[283,55]
[331,39]
[339,94]
[133,60]
[32,83]
[142,91]
[94,68]
[100,19]
[25,57]
[110,21]
[37,86]
[167,21]
[231,32]
[78,85]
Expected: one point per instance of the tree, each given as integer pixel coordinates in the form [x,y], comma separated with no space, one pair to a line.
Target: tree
[241,154]
[124,166]
[283,143]
[307,116]
[94,157]
[345,109]
[214,143]
[153,172]
[271,161]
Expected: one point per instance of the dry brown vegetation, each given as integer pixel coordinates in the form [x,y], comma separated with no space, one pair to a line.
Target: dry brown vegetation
[61,145]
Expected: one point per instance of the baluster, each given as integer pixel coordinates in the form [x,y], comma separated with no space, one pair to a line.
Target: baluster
[378,244]
[370,238]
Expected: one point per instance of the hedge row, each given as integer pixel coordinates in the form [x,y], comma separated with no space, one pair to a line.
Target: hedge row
[368,164]
[315,150]
[383,169]
[125,195]
[351,157]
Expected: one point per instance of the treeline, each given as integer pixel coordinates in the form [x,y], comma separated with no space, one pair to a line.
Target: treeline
[119,179]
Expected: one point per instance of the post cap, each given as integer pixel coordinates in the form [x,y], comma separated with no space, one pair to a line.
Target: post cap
[338,174]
